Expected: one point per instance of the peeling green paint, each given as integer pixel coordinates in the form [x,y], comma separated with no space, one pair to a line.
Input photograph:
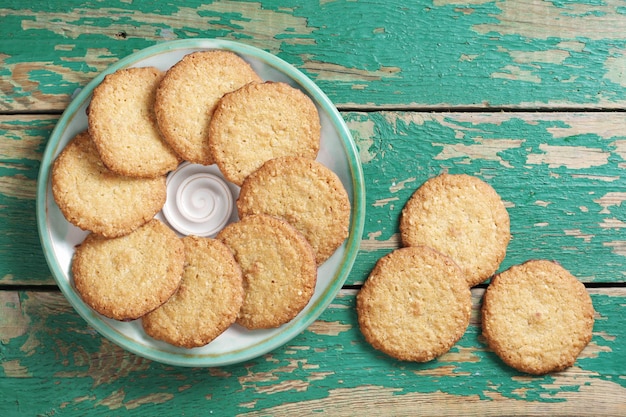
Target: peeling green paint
[293,373]
[556,199]
[414,61]
[441,54]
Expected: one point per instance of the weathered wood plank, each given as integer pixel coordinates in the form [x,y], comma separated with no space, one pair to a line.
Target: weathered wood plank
[48,349]
[442,54]
[22,142]
[560,174]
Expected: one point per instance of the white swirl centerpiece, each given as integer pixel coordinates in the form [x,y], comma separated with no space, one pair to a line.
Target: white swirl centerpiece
[199,201]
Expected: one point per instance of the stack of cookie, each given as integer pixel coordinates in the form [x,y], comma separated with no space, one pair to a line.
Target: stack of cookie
[209,108]
[416,303]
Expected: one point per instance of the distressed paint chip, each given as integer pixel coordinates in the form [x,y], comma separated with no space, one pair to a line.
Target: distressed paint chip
[283,386]
[612,223]
[615,66]
[515,73]
[593,350]
[155,398]
[545,20]
[460,355]
[384,201]
[440,371]
[329,328]
[572,157]
[603,126]
[97,365]
[14,369]
[485,149]
[335,72]
[363,135]
[610,199]
[618,247]
[375,244]
[13,322]
[550,56]
[577,233]
[620,146]
[400,185]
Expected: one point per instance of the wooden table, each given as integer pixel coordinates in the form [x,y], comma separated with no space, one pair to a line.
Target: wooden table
[528,95]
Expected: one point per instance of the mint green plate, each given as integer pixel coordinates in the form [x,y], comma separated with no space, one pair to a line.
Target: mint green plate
[236,344]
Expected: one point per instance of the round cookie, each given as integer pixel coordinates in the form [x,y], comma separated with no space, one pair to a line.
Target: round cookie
[207,301]
[123,126]
[126,277]
[259,122]
[94,198]
[305,193]
[279,271]
[187,96]
[537,317]
[462,217]
[415,304]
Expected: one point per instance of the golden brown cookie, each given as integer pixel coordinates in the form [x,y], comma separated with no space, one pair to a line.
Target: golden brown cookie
[279,271]
[94,198]
[462,217]
[187,96]
[207,301]
[123,126]
[259,122]
[415,305]
[305,193]
[126,277]
[537,317]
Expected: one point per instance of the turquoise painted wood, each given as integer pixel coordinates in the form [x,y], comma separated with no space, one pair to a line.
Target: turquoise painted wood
[559,174]
[422,86]
[22,142]
[328,369]
[510,54]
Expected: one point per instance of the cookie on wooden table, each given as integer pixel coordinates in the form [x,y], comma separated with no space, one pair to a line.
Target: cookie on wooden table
[279,271]
[259,122]
[415,304]
[123,126]
[462,217]
[187,96]
[124,278]
[537,317]
[94,198]
[304,192]
[207,301]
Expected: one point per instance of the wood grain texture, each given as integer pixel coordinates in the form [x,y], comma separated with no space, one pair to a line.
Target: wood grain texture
[329,368]
[560,175]
[441,54]
[22,143]
[421,86]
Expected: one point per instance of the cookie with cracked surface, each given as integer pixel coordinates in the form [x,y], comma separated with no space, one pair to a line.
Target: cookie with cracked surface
[123,126]
[279,271]
[206,303]
[188,94]
[259,122]
[126,277]
[304,192]
[415,304]
[462,217]
[95,198]
[537,317]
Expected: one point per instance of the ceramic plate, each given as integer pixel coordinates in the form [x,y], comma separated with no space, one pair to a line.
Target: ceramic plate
[337,151]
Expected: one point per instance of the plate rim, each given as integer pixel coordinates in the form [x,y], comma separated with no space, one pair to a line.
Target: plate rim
[290,330]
